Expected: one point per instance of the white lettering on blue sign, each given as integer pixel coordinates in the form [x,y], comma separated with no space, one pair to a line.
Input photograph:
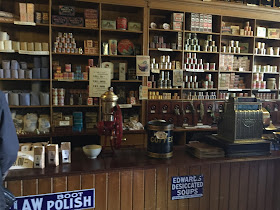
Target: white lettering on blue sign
[79,199]
[187,187]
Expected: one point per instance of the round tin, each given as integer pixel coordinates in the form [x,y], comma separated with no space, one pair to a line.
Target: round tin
[121,23]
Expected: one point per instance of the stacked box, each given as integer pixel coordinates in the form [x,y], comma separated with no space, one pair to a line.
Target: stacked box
[241,63]
[26,12]
[177,21]
[77,121]
[91,120]
[91,47]
[226,62]
[194,24]
[91,18]
[200,22]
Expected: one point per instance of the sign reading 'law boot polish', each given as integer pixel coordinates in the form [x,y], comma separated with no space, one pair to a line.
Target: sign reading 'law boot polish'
[79,199]
[187,187]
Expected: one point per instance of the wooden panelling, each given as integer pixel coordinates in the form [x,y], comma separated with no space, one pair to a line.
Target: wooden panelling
[194,202]
[29,187]
[276,197]
[138,190]
[161,188]
[205,200]
[126,190]
[224,186]
[15,187]
[261,185]
[269,185]
[88,181]
[101,191]
[183,204]
[172,205]
[214,186]
[150,189]
[44,186]
[234,186]
[243,186]
[253,183]
[114,202]
[60,184]
[73,183]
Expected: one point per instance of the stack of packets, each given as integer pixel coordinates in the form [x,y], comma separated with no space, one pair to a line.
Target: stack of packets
[91,47]
[34,155]
[26,12]
[91,18]
[203,150]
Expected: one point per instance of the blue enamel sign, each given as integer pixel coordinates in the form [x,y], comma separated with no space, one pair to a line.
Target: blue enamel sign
[79,199]
[186,187]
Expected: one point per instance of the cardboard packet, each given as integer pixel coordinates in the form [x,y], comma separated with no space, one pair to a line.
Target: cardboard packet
[53,155]
[39,157]
[66,152]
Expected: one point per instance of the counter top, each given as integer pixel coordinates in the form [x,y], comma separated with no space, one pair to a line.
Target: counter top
[123,160]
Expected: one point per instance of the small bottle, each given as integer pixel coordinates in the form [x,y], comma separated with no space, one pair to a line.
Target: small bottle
[71,99]
[80,102]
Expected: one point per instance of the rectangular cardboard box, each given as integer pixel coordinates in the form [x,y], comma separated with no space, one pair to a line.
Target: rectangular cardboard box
[261,31]
[30,8]
[133,26]
[273,33]
[177,26]
[30,17]
[59,20]
[23,17]
[122,71]
[66,152]
[66,10]
[75,21]
[178,17]
[53,154]
[91,23]
[22,8]
[39,156]
[91,14]
[108,24]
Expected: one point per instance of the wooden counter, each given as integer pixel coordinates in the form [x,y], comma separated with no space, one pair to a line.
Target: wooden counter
[131,180]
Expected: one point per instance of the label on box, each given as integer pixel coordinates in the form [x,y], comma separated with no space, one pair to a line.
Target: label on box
[64,123]
[108,24]
[91,14]
[59,20]
[132,26]
[177,25]
[65,156]
[75,21]
[66,10]
[91,23]
[178,17]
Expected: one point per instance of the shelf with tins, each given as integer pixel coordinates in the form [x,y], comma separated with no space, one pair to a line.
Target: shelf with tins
[238,72]
[28,107]
[165,50]
[74,27]
[202,52]
[165,89]
[69,80]
[75,54]
[126,81]
[74,106]
[120,56]
[34,80]
[202,32]
[164,30]
[121,31]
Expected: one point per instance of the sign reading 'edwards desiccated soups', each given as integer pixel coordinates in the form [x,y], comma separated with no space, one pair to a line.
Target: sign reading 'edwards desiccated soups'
[186,187]
[79,199]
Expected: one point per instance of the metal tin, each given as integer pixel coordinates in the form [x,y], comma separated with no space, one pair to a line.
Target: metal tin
[108,100]
[121,23]
[160,139]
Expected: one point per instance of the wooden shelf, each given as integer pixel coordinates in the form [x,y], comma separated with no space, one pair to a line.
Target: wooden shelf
[200,89]
[75,54]
[83,133]
[69,80]
[165,30]
[11,79]
[126,81]
[239,72]
[202,32]
[165,50]
[232,35]
[75,106]
[266,38]
[27,107]
[75,27]
[121,31]
[120,56]
[165,89]
[246,54]
[202,52]
[30,135]
[273,56]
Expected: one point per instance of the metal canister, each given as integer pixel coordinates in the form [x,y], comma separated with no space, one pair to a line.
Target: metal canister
[121,23]
[108,101]
[160,139]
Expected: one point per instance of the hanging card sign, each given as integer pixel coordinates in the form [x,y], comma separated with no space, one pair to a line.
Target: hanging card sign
[99,81]
[142,65]
[187,187]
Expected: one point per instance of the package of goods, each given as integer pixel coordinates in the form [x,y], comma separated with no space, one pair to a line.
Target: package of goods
[39,156]
[66,10]
[273,33]
[244,47]
[133,26]
[91,14]
[177,26]
[261,31]
[25,159]
[77,121]
[201,22]
[18,122]
[177,17]
[44,123]
[30,122]
[235,30]
[226,29]
[122,71]
[75,21]
[108,24]
[59,20]
[66,152]
[91,23]
[53,154]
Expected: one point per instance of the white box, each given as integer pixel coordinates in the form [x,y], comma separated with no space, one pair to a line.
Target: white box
[122,70]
